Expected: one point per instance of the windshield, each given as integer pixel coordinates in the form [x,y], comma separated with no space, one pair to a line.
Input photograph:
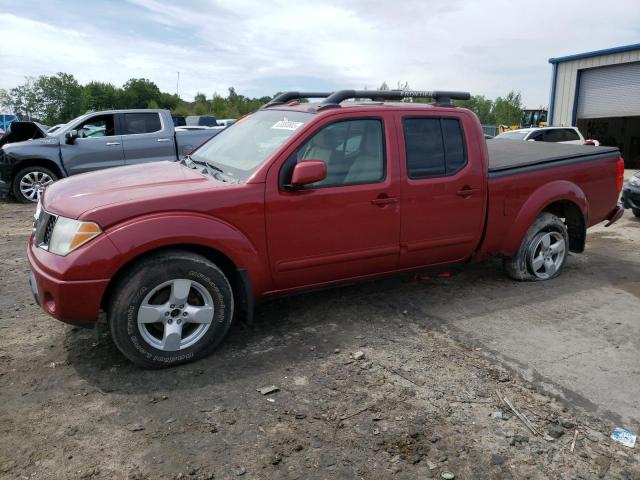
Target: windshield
[512,135]
[239,150]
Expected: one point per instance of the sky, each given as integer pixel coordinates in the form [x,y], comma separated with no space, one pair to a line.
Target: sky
[261,47]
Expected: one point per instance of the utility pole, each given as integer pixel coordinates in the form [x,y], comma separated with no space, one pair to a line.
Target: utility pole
[178,85]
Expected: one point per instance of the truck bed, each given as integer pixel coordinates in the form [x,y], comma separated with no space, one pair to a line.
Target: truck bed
[509,156]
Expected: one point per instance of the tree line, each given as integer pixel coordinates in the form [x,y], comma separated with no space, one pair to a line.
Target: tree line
[59,98]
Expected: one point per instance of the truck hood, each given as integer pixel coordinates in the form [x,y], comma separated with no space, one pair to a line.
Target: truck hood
[126,191]
[23,131]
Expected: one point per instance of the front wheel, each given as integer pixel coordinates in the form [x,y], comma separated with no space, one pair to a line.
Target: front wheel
[636,211]
[30,181]
[543,250]
[171,308]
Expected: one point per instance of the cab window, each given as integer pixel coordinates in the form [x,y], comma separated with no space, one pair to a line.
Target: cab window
[433,146]
[353,151]
[98,126]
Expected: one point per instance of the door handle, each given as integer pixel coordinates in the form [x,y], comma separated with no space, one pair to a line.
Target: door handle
[112,143]
[467,191]
[382,201]
[162,140]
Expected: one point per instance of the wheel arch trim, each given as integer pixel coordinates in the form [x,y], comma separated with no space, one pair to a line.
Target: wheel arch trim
[539,201]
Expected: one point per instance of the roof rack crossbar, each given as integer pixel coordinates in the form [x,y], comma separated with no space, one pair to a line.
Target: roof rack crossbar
[288,96]
[441,97]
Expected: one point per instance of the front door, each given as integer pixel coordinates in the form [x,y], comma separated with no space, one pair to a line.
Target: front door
[346,225]
[97,146]
[443,188]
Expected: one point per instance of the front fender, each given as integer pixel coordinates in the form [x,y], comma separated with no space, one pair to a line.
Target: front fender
[140,235]
[559,190]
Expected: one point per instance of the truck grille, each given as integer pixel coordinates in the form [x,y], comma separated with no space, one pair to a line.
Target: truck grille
[44,229]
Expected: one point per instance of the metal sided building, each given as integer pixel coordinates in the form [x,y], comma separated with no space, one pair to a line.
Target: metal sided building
[599,92]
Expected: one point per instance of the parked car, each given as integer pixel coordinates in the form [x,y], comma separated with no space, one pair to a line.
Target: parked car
[93,141]
[226,122]
[570,135]
[305,196]
[202,121]
[631,194]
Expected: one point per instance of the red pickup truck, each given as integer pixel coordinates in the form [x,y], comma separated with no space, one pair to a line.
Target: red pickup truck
[305,195]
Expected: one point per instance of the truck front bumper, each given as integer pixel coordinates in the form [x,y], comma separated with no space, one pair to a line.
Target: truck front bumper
[74,302]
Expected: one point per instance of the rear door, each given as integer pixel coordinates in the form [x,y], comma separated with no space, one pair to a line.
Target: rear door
[97,147]
[146,138]
[443,188]
[347,225]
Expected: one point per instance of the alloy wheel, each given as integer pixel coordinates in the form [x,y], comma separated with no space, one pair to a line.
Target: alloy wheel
[175,315]
[547,253]
[32,183]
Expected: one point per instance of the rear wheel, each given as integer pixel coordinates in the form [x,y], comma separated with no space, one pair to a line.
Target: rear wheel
[30,181]
[636,211]
[171,308]
[543,251]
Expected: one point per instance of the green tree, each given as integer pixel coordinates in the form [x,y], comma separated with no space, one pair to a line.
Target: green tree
[138,92]
[61,96]
[24,100]
[169,101]
[508,110]
[101,96]
[481,106]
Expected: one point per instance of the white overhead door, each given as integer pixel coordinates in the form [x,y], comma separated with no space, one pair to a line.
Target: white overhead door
[610,91]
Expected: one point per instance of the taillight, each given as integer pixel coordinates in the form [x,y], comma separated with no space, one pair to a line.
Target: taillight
[620,178]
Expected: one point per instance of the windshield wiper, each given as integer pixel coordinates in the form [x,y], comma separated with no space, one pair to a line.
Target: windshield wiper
[211,169]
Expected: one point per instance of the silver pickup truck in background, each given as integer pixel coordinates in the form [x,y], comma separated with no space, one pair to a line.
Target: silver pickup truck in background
[30,158]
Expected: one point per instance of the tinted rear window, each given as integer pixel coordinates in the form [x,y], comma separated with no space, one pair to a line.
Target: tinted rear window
[434,147]
[135,123]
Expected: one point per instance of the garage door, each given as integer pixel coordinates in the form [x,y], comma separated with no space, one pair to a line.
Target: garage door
[610,91]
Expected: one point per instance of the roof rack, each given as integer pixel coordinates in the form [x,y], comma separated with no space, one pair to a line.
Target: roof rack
[333,99]
[441,97]
[288,96]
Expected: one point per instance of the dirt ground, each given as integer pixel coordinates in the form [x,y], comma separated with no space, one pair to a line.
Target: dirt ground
[372,384]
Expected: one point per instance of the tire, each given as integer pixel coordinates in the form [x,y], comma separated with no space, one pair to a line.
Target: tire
[543,251]
[155,324]
[636,211]
[28,180]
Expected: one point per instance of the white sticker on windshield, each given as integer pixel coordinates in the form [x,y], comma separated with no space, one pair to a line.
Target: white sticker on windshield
[287,125]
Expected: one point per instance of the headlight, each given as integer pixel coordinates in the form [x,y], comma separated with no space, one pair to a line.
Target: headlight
[635,181]
[69,234]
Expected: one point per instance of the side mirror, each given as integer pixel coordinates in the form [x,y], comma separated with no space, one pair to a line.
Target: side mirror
[71,136]
[308,171]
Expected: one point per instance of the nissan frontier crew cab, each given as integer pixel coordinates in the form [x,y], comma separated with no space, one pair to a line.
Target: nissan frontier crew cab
[305,195]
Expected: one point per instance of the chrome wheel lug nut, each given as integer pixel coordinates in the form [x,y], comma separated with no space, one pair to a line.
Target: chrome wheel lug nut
[184,314]
[166,314]
[170,321]
[172,306]
[181,306]
[179,321]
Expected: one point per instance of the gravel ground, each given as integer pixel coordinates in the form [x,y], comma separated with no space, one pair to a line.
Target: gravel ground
[370,385]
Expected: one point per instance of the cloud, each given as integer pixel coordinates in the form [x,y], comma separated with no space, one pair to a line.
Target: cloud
[262,47]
